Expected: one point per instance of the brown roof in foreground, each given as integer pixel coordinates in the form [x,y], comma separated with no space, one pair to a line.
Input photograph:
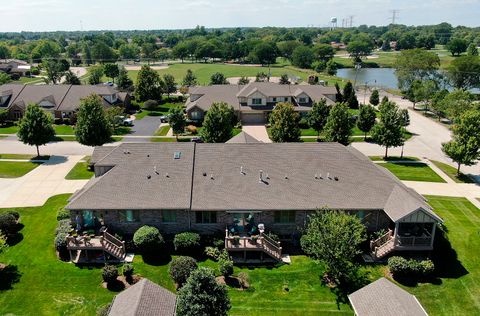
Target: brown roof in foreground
[145,298]
[382,298]
[296,176]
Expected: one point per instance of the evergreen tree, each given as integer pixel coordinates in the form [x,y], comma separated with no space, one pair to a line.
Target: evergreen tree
[366,119]
[218,123]
[374,98]
[202,295]
[218,78]
[71,78]
[124,82]
[93,127]
[338,95]
[317,117]
[170,85]
[339,124]
[284,79]
[284,123]
[190,79]
[36,127]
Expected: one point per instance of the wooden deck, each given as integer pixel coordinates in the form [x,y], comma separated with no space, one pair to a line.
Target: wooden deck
[82,247]
[260,243]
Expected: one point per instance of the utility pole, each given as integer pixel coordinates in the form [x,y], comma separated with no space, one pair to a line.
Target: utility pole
[394,15]
[350,18]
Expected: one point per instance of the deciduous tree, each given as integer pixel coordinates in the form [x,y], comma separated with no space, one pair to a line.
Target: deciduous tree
[464,72]
[389,131]
[284,123]
[111,70]
[339,124]
[36,127]
[374,98]
[124,82]
[317,117]
[93,127]
[176,118]
[190,79]
[169,84]
[95,75]
[218,78]
[366,119]
[456,46]
[149,84]
[218,123]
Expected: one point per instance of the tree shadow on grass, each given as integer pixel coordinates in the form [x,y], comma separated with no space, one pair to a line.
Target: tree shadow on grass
[157,260]
[9,275]
[445,258]
[116,286]
[14,239]
[356,281]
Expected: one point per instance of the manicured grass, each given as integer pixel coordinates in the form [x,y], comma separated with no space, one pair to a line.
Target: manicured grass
[64,130]
[162,131]
[80,172]
[456,290]
[15,169]
[412,171]
[393,158]
[160,110]
[9,129]
[167,140]
[22,157]
[452,172]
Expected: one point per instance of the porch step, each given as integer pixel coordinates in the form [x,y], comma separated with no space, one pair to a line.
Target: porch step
[384,250]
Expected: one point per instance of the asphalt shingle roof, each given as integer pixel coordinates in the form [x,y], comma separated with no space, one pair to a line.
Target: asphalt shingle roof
[296,176]
[242,138]
[382,298]
[145,298]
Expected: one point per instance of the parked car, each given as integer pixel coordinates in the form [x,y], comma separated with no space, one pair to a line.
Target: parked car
[127,121]
[164,119]
[196,139]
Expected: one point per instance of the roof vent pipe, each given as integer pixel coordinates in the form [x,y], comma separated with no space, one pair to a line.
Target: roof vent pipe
[260,179]
[328,175]
[316,176]
[241,170]
[211,176]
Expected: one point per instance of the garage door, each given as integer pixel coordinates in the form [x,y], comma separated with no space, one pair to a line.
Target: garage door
[253,118]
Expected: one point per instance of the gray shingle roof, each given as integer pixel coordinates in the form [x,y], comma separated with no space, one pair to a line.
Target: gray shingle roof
[243,138]
[382,298]
[216,93]
[145,298]
[291,183]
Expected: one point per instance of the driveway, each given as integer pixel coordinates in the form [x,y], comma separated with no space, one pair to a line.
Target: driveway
[45,181]
[257,131]
[144,127]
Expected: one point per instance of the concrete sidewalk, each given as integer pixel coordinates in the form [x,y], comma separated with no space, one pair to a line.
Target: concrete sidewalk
[34,188]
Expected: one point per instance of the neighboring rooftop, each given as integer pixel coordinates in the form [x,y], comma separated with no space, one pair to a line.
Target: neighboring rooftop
[382,298]
[295,176]
[144,298]
[243,138]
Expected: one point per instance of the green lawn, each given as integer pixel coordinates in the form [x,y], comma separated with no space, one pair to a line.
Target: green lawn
[64,130]
[22,157]
[160,110]
[15,169]
[452,172]
[412,171]
[80,172]
[9,129]
[393,158]
[162,131]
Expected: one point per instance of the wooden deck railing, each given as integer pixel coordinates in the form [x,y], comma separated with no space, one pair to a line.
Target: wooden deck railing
[114,241]
[381,240]
[413,241]
[255,243]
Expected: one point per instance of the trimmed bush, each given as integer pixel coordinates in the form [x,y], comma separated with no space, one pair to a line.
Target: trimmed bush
[128,270]
[63,226]
[180,269]
[186,242]
[213,253]
[15,214]
[8,224]
[61,233]
[150,104]
[109,273]
[148,239]
[401,267]
[192,129]
[226,267]
[63,214]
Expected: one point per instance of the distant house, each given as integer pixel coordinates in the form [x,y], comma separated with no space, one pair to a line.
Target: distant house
[382,298]
[62,101]
[15,66]
[207,188]
[253,102]
[144,298]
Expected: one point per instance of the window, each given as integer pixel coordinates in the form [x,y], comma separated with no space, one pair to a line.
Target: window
[257,101]
[169,216]
[129,216]
[284,217]
[196,115]
[206,217]
[303,100]
[274,99]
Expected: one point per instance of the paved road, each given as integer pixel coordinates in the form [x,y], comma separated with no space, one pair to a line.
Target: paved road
[13,146]
[34,188]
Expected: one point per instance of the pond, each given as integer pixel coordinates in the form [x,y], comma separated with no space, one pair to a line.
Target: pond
[379,77]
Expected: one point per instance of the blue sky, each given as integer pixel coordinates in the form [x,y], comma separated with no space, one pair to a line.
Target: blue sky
[50,15]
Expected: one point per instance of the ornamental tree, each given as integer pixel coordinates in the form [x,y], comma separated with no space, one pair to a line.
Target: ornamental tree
[456,46]
[366,119]
[374,98]
[389,131]
[190,79]
[176,118]
[35,127]
[93,127]
[202,295]
[218,123]
[317,117]
[149,84]
[284,123]
[339,124]
[334,238]
[169,84]
[111,70]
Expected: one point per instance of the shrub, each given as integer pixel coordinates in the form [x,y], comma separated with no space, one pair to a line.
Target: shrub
[243,279]
[272,236]
[213,252]
[63,226]
[186,242]
[63,214]
[150,104]
[219,243]
[401,267]
[225,266]
[128,270]
[8,224]
[103,311]
[15,214]
[109,273]
[61,233]
[61,242]
[147,239]
[192,129]
[180,269]
[303,123]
